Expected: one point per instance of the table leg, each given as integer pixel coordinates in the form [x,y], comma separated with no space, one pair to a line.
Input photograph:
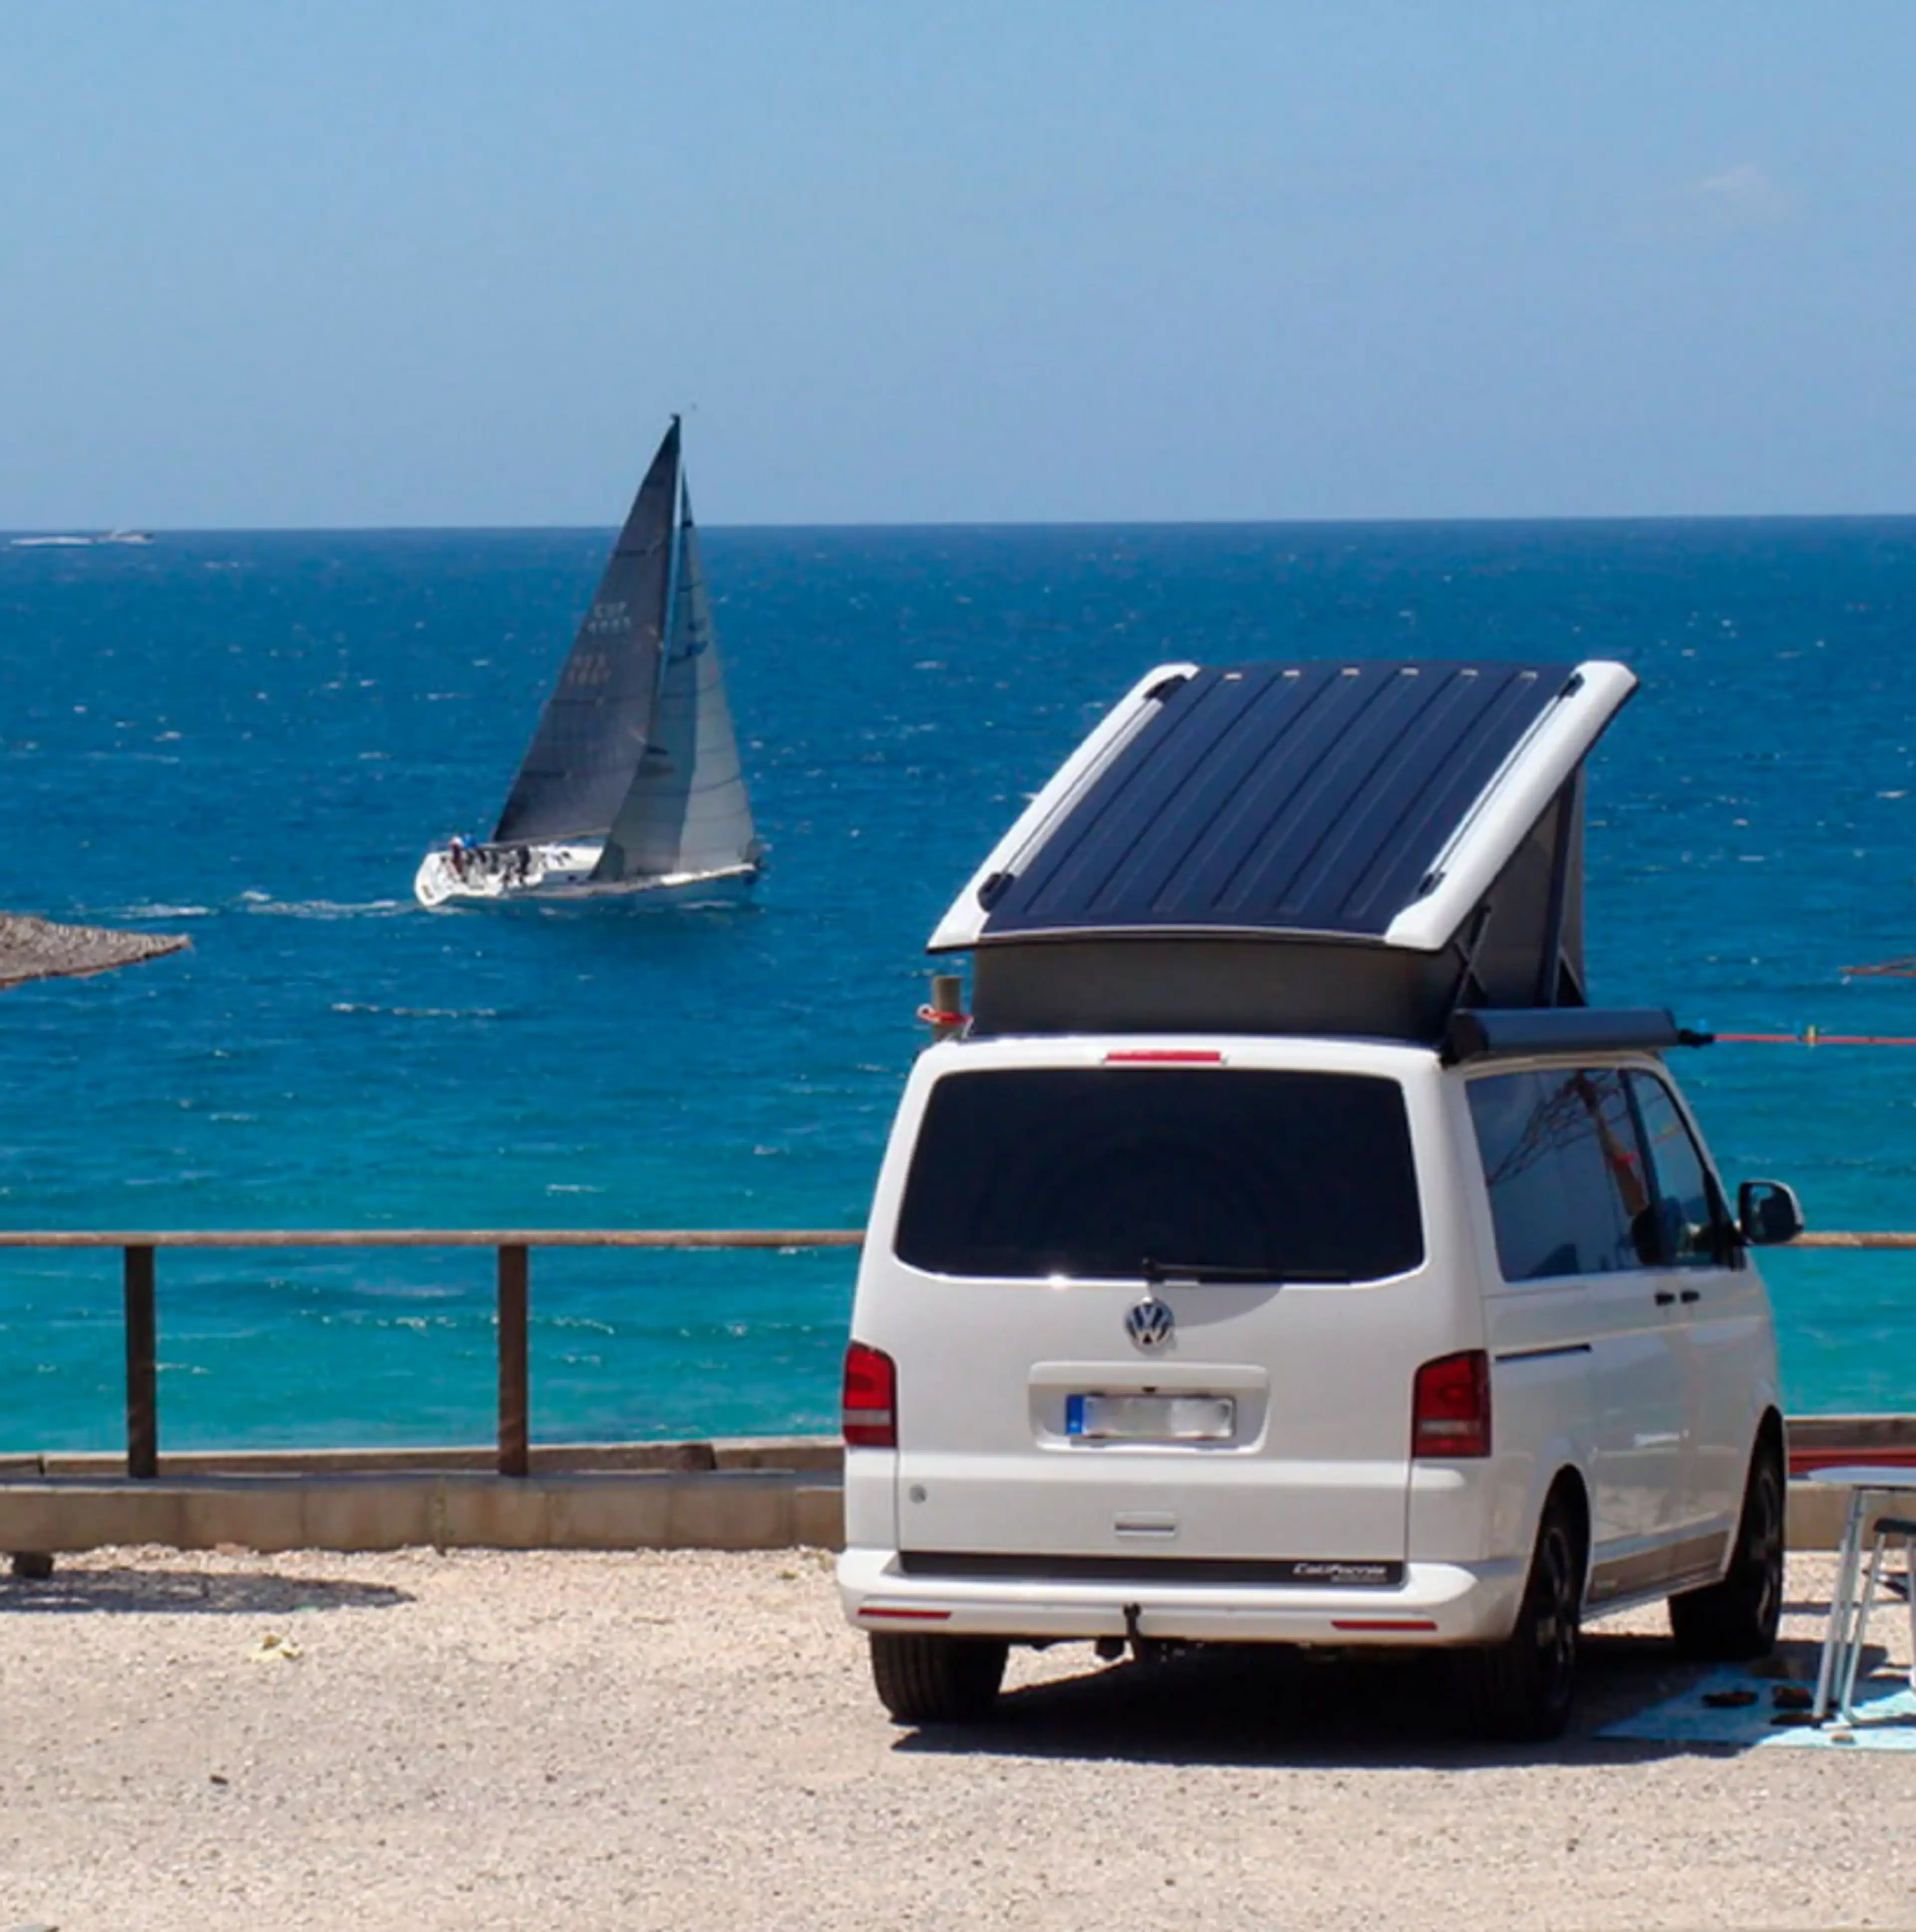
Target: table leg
[1842,1598]
[1845,1685]
[1909,1600]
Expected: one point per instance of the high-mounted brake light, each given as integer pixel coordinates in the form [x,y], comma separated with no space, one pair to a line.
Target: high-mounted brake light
[1166,1056]
[871,1399]
[1450,1407]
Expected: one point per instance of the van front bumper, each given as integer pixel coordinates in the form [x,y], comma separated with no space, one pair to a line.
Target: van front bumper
[1435,1603]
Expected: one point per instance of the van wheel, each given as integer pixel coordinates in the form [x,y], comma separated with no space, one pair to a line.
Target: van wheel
[1522,1689]
[1737,1618]
[937,1680]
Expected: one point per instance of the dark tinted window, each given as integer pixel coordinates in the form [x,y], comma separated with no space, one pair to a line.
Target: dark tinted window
[1099,1171]
[1565,1173]
[1692,1225]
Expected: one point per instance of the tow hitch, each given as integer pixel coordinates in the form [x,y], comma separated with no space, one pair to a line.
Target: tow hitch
[1143,1649]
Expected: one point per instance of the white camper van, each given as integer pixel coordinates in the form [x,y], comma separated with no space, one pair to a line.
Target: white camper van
[1284,1251]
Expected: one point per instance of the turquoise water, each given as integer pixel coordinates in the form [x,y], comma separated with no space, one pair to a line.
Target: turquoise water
[251,739]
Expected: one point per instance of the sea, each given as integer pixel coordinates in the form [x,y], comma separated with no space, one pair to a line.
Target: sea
[251,739]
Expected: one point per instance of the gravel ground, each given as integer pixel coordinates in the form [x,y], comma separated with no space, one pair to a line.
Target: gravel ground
[686,1740]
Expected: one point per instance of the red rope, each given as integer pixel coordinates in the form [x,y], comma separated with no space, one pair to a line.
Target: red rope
[1813,1038]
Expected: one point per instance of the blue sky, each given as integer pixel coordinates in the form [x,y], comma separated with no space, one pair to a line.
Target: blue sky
[410,263]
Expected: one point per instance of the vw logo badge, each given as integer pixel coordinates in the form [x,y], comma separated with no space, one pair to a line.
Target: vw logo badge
[1149,1324]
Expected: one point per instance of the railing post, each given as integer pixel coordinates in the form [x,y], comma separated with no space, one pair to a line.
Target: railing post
[142,1398]
[515,1455]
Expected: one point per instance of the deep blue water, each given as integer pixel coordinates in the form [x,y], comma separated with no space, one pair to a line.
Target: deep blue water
[251,738]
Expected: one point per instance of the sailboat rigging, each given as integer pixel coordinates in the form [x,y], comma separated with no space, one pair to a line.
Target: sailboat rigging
[632,782]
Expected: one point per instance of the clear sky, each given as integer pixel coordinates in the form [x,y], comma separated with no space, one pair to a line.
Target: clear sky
[363,262]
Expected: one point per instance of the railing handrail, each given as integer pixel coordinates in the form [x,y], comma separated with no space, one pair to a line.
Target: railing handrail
[594,1237]
[441,1237]
[1868,1237]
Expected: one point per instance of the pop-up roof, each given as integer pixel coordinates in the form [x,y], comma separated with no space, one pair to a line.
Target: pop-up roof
[1429,812]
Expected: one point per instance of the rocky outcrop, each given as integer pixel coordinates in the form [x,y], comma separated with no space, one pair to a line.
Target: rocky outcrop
[37,949]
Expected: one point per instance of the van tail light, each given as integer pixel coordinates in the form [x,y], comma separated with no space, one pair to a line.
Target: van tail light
[1450,1408]
[871,1399]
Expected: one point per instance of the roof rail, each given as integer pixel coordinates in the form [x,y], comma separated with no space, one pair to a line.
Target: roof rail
[1485,1033]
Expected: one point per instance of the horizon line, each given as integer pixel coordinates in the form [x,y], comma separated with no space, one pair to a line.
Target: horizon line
[117,533]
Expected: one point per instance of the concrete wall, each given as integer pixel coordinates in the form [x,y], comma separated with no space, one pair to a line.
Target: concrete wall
[755,1493]
[745,1509]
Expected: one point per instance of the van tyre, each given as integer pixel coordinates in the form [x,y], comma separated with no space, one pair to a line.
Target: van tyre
[938,1680]
[1737,1619]
[1522,1690]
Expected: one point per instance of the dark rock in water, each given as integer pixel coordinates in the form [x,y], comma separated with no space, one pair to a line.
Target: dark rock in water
[37,949]
[35,1565]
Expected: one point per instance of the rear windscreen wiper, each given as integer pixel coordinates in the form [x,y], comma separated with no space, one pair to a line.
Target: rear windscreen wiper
[1157,1272]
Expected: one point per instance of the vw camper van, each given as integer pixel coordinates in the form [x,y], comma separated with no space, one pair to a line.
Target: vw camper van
[1283,1250]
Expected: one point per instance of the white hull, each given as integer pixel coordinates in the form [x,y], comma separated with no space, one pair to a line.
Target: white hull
[479,876]
[552,872]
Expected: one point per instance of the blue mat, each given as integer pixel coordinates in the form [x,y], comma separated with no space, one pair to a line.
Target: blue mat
[1884,1704]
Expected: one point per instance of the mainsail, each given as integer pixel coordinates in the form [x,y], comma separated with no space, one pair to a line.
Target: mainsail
[597,722]
[687,813]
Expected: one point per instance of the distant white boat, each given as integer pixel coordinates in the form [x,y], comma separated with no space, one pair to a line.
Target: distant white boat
[80,542]
[632,783]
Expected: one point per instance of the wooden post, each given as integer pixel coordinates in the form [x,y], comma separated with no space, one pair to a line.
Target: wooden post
[142,1396]
[514,1356]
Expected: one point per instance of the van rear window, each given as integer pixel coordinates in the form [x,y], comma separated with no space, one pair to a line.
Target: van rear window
[1172,1173]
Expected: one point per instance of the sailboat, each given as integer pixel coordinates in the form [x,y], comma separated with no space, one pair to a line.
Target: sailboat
[632,783]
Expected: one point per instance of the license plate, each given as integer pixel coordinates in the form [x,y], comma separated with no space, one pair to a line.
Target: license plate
[1151,1418]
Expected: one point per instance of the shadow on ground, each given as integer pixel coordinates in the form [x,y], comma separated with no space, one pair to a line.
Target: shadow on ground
[173,1593]
[1254,1705]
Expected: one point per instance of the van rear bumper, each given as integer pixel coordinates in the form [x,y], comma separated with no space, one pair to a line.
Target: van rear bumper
[1435,1603]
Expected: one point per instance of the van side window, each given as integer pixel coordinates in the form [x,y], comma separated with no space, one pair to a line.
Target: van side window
[1565,1169]
[1693,1224]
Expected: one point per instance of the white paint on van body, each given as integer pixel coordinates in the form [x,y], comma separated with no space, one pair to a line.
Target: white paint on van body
[1653,1407]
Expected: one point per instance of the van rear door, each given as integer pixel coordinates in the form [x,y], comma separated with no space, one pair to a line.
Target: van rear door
[1160,1303]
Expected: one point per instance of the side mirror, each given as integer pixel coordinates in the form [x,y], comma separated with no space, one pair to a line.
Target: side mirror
[1768,1213]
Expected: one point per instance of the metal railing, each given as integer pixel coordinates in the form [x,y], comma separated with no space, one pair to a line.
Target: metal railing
[515,1247]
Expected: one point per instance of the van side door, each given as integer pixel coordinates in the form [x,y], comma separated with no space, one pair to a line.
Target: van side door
[1568,1185]
[1718,1322]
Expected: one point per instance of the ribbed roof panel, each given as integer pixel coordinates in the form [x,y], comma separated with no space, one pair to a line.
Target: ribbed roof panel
[1307,798]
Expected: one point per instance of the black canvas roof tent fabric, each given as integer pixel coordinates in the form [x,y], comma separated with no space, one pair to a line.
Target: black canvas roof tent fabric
[38,949]
[1412,832]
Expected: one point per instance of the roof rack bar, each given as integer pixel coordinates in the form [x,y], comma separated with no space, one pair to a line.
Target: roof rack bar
[1498,1032]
